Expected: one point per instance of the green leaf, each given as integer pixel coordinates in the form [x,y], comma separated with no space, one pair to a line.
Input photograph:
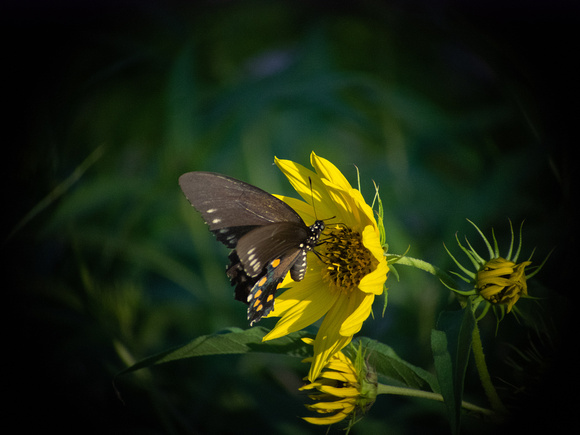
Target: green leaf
[451,345]
[231,341]
[389,365]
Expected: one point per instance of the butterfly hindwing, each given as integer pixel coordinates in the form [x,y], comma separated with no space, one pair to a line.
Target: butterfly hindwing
[258,291]
[266,243]
[260,298]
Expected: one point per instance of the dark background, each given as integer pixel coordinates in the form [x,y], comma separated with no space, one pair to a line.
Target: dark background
[457,109]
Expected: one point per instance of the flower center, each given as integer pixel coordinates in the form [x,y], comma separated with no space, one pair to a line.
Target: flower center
[346,258]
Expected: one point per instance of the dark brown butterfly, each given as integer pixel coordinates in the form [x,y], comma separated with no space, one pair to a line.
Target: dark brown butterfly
[267,236]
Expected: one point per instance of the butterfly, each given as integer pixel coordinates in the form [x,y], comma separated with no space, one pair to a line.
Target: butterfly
[267,237]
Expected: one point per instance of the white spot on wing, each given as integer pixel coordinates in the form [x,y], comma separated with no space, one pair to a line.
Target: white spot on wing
[255,264]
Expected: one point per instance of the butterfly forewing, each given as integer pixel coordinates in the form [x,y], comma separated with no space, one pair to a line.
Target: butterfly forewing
[226,202]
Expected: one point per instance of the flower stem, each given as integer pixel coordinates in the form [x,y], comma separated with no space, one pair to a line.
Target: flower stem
[485,378]
[403,391]
[423,265]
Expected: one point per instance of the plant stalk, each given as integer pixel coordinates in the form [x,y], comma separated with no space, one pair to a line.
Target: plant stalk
[485,378]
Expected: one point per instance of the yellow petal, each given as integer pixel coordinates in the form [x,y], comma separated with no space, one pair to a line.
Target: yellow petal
[368,217]
[374,282]
[327,170]
[308,286]
[297,174]
[345,208]
[363,212]
[346,404]
[372,241]
[326,420]
[338,376]
[301,305]
[339,365]
[491,291]
[310,386]
[339,391]
[353,323]
[328,341]
[306,182]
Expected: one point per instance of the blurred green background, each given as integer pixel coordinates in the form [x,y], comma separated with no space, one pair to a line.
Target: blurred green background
[457,111]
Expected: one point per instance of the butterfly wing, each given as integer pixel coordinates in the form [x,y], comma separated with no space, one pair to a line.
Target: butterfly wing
[258,292]
[266,243]
[231,207]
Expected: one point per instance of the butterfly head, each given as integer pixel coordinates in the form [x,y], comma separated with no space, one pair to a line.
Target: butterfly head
[315,230]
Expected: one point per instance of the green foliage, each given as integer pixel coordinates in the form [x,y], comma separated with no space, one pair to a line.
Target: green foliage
[229,342]
[110,265]
[451,343]
[394,369]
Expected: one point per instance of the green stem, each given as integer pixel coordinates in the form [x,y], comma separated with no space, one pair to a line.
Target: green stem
[485,378]
[423,265]
[403,391]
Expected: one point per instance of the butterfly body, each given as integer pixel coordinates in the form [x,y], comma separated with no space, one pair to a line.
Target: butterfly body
[268,238]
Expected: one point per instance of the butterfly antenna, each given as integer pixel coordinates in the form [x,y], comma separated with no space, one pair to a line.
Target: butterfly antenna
[312,198]
[312,201]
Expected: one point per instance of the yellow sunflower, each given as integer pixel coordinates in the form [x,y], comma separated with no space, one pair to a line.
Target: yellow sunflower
[351,269]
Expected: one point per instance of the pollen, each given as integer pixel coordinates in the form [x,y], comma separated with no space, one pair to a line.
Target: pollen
[347,259]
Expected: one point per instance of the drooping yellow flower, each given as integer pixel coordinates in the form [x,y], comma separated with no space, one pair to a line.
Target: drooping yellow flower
[343,389]
[350,269]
